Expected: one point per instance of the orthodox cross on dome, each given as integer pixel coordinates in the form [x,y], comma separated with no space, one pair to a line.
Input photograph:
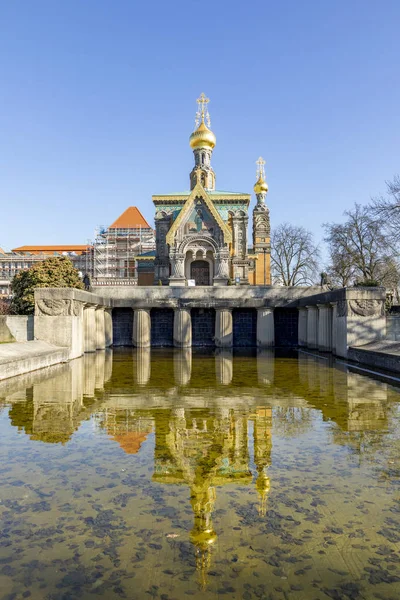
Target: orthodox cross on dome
[202,111]
[260,168]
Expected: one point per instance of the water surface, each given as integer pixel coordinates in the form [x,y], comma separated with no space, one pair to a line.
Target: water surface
[172,474]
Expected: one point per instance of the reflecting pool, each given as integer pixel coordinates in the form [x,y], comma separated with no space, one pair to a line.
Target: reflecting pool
[171,474]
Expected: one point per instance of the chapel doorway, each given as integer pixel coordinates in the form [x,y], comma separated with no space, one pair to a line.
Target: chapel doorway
[200,272]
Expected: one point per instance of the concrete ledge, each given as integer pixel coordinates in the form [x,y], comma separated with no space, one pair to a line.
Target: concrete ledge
[241,296]
[16,359]
[383,355]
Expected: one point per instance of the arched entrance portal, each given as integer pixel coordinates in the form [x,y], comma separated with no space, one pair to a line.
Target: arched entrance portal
[200,272]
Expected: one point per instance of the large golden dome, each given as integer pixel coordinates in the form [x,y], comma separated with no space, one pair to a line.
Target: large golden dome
[202,137]
[261,185]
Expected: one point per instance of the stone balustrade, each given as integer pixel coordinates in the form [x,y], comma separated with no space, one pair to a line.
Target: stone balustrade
[78,320]
[328,321]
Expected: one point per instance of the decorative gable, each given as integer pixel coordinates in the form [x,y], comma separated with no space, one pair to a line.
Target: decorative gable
[199,215]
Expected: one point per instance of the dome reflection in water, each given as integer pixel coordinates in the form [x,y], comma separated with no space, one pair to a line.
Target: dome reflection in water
[174,473]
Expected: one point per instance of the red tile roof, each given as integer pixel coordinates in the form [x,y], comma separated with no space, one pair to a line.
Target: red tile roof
[78,248]
[131,218]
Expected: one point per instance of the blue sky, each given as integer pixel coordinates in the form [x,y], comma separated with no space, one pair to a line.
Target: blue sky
[97,102]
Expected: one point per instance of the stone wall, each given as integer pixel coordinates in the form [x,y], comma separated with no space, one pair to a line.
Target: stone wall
[393,327]
[16,328]
[5,333]
[262,316]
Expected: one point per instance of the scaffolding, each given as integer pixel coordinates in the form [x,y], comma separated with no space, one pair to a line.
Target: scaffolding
[115,252]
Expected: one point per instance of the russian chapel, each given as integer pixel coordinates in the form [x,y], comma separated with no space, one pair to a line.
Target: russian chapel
[201,234]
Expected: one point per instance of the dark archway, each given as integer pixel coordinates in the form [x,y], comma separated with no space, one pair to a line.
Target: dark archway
[286,326]
[203,326]
[244,327]
[122,320]
[162,327]
[200,272]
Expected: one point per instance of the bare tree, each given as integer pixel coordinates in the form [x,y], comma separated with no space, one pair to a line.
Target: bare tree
[387,210]
[358,248]
[294,256]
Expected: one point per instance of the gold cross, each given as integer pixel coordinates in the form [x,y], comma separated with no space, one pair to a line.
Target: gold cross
[202,111]
[260,167]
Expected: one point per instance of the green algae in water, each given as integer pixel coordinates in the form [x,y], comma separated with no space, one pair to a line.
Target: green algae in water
[173,474]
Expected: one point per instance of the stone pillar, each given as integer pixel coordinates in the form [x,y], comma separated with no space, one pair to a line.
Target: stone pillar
[182,328]
[100,330]
[312,327]
[89,373]
[223,328]
[324,328]
[182,366]
[334,325]
[141,336]
[224,366]
[108,365]
[89,328]
[265,327]
[266,366]
[99,370]
[302,327]
[143,365]
[108,327]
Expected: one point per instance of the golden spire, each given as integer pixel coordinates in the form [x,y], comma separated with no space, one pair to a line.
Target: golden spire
[261,186]
[202,137]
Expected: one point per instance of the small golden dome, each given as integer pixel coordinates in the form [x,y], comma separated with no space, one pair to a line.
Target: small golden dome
[202,137]
[261,185]
[203,538]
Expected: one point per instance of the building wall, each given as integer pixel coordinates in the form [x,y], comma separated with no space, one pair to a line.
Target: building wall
[393,327]
[263,269]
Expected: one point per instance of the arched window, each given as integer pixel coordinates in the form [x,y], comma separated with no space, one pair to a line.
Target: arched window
[203,157]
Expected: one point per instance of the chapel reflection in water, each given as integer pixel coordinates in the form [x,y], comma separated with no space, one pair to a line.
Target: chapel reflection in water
[213,417]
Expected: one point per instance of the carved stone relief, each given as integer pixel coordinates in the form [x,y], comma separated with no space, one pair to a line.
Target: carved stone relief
[53,307]
[361,308]
[366,308]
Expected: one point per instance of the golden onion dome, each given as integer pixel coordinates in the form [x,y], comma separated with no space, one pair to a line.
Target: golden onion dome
[203,538]
[261,185]
[202,137]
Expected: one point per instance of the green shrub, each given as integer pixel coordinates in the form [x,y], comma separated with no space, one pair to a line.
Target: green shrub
[54,272]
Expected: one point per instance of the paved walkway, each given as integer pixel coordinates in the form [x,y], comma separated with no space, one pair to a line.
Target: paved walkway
[18,358]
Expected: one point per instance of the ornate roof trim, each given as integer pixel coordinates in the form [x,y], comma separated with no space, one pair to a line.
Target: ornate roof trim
[198,190]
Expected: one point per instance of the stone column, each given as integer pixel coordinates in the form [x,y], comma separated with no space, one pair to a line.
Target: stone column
[266,366]
[182,328]
[224,366]
[141,336]
[89,328]
[182,366]
[89,372]
[265,327]
[100,330]
[108,327]
[223,328]
[334,325]
[324,328]
[99,370]
[143,365]
[312,327]
[302,327]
